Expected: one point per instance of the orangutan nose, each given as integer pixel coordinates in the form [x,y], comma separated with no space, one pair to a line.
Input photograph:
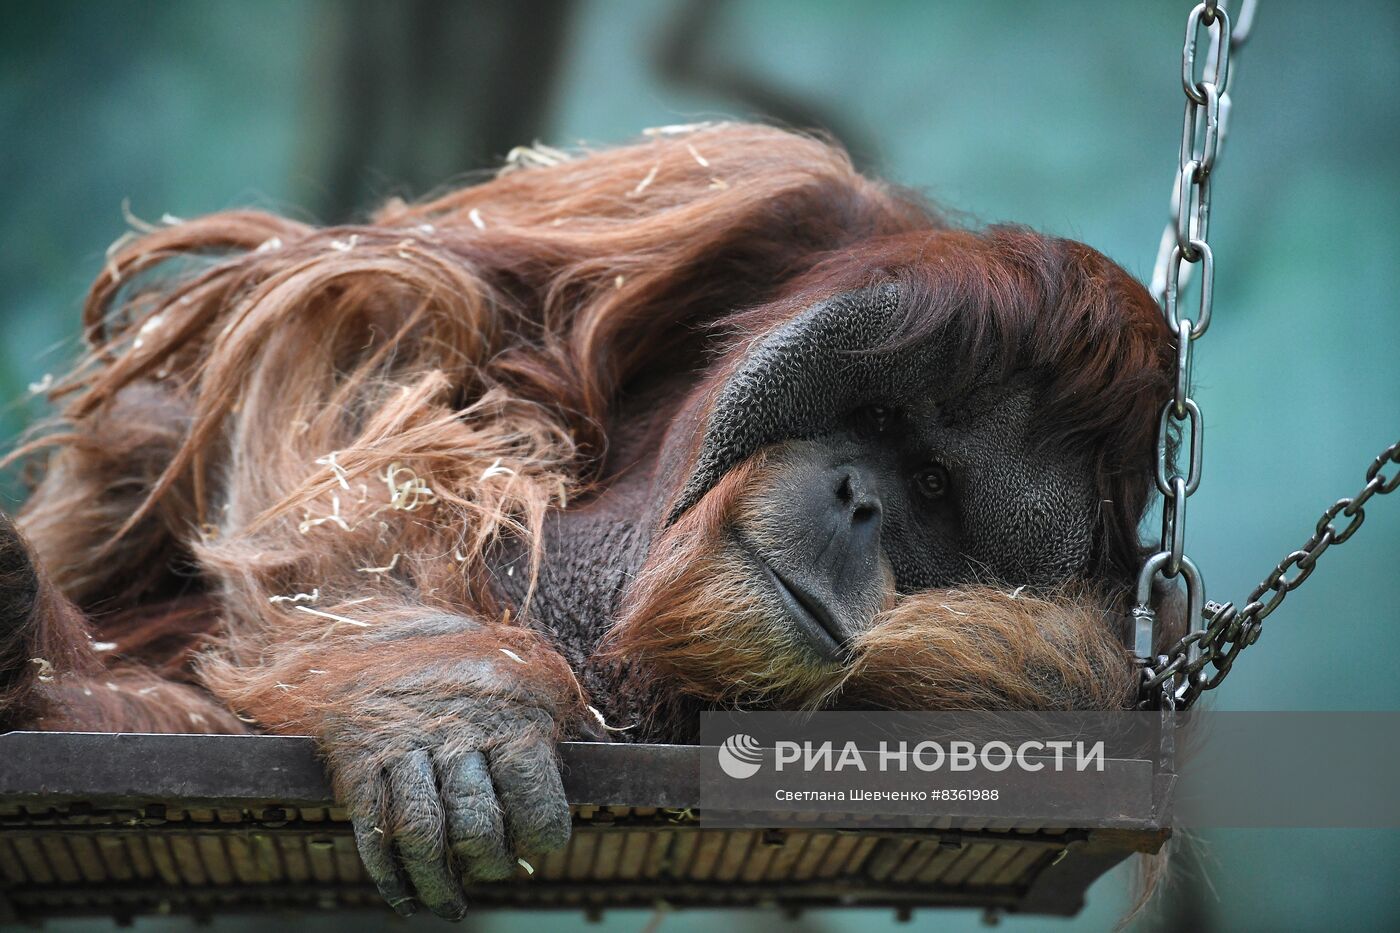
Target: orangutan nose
[849,557]
[859,495]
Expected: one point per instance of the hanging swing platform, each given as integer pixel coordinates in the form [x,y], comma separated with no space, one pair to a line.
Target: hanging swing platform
[128,825]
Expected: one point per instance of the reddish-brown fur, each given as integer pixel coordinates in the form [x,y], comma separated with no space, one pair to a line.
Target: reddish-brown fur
[364,412]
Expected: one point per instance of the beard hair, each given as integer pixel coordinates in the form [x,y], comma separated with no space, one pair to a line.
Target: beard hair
[982,648]
[699,619]
[698,616]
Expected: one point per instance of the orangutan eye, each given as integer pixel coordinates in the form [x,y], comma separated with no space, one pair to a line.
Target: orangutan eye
[875,417]
[932,482]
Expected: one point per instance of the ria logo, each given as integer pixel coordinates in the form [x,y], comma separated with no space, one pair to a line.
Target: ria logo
[740,756]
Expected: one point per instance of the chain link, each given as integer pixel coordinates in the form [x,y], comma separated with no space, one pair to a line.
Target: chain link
[1211,101]
[1219,632]
[1200,660]
[1185,245]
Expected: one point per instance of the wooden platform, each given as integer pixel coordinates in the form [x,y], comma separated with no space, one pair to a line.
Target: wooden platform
[126,825]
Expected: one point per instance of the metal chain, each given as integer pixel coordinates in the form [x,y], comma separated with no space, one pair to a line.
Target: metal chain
[1219,632]
[1185,243]
[1179,677]
[1210,152]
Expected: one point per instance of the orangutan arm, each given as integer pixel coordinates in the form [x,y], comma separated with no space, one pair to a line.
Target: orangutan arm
[440,738]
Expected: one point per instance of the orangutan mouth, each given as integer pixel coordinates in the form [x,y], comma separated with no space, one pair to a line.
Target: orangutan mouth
[811,616]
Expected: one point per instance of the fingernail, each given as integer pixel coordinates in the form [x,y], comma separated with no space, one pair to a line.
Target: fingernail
[405,908]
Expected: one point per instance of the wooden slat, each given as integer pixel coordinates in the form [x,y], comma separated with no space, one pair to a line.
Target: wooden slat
[817,847]
[915,861]
[682,850]
[635,848]
[87,858]
[992,865]
[780,867]
[11,867]
[1015,871]
[120,861]
[736,853]
[212,854]
[835,861]
[860,854]
[935,870]
[971,857]
[320,851]
[889,854]
[661,856]
[60,859]
[268,858]
[606,857]
[760,858]
[240,857]
[706,858]
[214,858]
[296,867]
[163,860]
[581,853]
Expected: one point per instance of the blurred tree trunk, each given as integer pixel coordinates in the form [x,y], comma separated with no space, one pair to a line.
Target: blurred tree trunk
[407,95]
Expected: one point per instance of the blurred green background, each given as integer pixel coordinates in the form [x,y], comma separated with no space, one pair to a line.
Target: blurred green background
[1062,115]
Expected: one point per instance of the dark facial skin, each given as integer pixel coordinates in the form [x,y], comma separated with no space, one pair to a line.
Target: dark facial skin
[914,495]
[884,480]
[822,552]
